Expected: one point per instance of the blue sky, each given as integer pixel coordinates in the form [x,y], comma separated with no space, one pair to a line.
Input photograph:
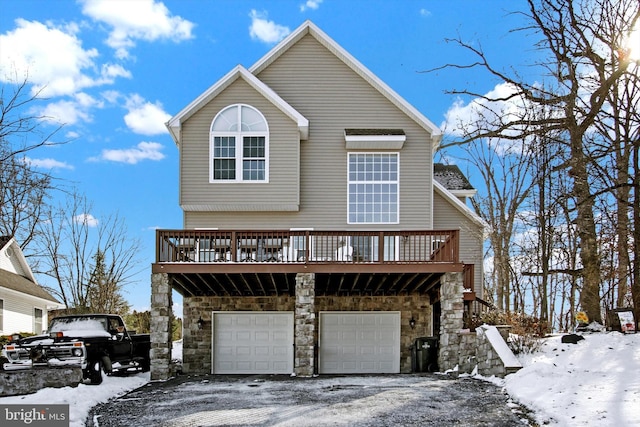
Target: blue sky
[114,71]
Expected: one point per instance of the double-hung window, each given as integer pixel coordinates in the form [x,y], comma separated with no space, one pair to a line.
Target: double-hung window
[373,188]
[239,145]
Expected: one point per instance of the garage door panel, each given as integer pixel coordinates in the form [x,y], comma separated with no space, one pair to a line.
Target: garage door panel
[252,343]
[359,342]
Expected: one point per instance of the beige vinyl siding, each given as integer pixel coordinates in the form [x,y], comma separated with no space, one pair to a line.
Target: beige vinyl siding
[280,192]
[332,97]
[447,217]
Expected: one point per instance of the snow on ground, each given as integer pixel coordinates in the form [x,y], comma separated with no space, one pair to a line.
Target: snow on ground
[81,398]
[594,382]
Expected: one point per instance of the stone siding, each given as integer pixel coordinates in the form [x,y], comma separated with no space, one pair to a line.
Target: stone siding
[197,342]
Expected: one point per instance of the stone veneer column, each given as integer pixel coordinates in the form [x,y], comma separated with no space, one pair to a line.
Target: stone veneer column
[451,319]
[305,324]
[160,326]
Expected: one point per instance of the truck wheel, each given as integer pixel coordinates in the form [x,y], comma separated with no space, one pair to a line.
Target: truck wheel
[95,372]
[107,368]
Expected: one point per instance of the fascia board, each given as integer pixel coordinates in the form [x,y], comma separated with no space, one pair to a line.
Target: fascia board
[309,27]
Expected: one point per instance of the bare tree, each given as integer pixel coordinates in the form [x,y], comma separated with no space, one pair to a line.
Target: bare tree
[23,195]
[84,255]
[20,130]
[506,174]
[584,60]
[23,190]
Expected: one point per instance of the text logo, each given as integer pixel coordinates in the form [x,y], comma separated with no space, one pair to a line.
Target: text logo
[34,415]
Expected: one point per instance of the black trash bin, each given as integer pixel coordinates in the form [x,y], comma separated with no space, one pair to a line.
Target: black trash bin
[426,354]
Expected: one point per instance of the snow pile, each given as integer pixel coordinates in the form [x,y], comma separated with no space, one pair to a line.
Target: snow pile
[594,382]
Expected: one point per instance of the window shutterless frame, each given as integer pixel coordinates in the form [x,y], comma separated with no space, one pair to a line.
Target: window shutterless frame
[373,188]
[239,146]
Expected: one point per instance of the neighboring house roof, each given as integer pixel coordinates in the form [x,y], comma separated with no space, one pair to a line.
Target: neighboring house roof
[24,283]
[239,72]
[452,178]
[307,27]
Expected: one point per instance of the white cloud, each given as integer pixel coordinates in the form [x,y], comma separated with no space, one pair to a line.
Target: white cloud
[86,219]
[48,163]
[71,111]
[143,151]
[52,59]
[144,117]
[425,12]
[310,4]
[137,20]
[464,119]
[266,31]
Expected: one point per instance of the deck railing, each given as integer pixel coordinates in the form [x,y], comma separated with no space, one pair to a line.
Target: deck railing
[307,246]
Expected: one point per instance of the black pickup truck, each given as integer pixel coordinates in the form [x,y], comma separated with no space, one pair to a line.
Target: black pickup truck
[96,342]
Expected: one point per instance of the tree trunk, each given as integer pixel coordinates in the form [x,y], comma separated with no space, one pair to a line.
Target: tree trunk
[586,229]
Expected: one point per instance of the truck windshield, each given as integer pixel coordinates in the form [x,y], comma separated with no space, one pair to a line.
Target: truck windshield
[78,324]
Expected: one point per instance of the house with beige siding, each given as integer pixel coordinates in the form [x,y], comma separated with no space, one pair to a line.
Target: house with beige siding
[24,304]
[318,235]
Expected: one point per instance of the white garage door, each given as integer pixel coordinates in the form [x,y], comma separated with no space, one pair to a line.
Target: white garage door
[252,342]
[359,342]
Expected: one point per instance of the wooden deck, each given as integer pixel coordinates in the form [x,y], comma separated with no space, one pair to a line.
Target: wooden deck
[264,262]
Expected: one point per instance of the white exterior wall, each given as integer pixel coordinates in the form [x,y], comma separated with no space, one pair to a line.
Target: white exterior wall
[18,312]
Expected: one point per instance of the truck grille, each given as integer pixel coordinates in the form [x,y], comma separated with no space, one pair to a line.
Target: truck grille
[67,353]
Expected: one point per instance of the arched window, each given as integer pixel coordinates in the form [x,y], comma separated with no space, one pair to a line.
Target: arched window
[239,145]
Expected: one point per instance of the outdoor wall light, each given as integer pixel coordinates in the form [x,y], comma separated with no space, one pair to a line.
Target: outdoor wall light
[200,323]
[412,322]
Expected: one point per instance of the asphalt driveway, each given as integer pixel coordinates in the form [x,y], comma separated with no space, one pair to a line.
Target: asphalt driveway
[379,400]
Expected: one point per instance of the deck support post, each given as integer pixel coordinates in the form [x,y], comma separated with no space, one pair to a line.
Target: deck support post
[160,326]
[451,319]
[305,325]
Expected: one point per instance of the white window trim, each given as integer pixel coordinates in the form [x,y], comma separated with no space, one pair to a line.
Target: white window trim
[349,194]
[238,136]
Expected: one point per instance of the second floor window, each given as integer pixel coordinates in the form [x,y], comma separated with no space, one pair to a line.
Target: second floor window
[239,145]
[373,188]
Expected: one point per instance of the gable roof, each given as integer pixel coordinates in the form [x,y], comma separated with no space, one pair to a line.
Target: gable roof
[25,284]
[249,76]
[239,72]
[311,29]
